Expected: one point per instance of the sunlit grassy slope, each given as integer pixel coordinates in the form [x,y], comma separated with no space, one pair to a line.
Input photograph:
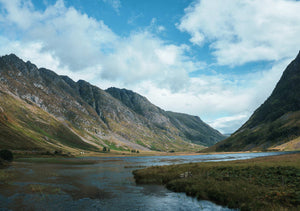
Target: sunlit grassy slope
[25,126]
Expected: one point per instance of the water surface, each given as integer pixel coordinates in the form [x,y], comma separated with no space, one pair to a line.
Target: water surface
[106,185]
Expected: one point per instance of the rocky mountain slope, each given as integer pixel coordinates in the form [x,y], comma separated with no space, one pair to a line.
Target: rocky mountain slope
[276,123]
[40,110]
[190,127]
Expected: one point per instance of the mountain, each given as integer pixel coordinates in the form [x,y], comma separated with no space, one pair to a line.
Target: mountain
[275,125]
[40,110]
[191,127]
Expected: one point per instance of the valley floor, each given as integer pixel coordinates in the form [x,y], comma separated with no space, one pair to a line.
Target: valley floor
[265,183]
[112,153]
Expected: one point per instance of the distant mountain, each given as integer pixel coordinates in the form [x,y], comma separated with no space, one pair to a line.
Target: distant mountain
[276,123]
[191,127]
[40,110]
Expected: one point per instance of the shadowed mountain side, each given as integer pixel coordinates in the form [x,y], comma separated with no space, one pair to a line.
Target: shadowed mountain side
[195,129]
[275,122]
[191,128]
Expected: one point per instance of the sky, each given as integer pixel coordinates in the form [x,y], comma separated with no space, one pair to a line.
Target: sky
[216,59]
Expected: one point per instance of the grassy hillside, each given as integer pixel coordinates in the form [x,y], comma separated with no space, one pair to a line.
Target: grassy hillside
[56,112]
[195,129]
[275,122]
[24,126]
[187,127]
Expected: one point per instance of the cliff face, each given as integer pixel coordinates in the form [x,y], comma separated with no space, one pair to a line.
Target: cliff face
[276,122]
[44,110]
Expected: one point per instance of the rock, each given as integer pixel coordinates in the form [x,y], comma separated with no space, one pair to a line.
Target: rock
[186,174]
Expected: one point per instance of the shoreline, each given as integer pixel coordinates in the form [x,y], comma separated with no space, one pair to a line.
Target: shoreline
[84,159]
[112,153]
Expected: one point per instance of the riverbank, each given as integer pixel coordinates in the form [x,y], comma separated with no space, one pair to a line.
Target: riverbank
[270,183]
[111,153]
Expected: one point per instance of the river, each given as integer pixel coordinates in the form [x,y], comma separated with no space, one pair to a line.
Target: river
[107,184]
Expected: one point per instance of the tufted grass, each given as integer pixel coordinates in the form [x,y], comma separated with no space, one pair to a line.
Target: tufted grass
[267,183]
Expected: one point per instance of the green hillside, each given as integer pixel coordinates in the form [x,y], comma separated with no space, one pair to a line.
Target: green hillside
[275,122]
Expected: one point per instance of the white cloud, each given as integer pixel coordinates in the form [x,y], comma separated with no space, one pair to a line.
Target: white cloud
[115,4]
[78,42]
[143,56]
[132,20]
[161,28]
[229,124]
[74,44]
[74,38]
[16,10]
[32,51]
[155,27]
[244,31]
[223,101]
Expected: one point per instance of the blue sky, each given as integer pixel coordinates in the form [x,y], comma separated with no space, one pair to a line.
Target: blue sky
[215,59]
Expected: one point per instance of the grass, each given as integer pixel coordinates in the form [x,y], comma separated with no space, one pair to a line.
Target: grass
[267,183]
[263,136]
[25,127]
[113,146]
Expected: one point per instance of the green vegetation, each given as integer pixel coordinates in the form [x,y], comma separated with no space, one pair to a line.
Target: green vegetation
[27,127]
[275,122]
[267,183]
[190,128]
[113,146]
[54,112]
[262,137]
[106,149]
[139,142]
[194,129]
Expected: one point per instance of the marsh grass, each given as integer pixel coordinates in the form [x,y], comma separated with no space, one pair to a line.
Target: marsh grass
[43,189]
[267,183]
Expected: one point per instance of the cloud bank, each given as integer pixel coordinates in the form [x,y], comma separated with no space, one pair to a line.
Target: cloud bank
[78,42]
[244,31]
[72,43]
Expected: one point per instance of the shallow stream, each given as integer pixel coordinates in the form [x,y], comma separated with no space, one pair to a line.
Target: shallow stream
[107,184]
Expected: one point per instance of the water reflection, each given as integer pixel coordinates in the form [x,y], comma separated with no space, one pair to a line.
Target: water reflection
[106,185]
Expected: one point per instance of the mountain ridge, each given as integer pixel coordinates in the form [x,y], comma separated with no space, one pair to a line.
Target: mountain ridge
[93,115]
[190,126]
